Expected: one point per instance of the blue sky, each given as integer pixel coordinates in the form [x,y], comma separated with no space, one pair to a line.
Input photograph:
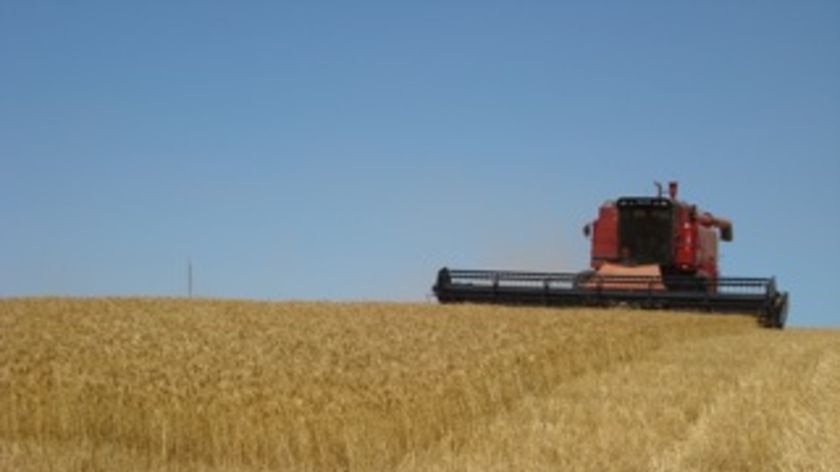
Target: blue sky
[347,150]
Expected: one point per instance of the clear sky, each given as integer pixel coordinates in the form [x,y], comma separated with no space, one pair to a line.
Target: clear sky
[347,150]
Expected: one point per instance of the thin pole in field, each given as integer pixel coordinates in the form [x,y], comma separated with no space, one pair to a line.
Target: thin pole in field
[189,278]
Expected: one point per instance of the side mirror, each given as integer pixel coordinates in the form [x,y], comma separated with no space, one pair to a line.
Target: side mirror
[587,230]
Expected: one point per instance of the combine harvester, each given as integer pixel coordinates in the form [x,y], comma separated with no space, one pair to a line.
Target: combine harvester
[647,252]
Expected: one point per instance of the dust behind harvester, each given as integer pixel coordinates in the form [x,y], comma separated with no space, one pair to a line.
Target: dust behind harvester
[649,252]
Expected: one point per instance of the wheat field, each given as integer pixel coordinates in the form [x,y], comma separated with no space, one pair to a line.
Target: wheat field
[210,385]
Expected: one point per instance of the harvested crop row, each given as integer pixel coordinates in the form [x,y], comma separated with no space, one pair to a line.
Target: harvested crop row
[751,401]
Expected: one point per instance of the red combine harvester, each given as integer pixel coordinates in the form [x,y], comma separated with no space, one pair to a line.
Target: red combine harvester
[647,252]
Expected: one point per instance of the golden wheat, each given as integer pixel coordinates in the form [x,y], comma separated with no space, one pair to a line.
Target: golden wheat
[150,384]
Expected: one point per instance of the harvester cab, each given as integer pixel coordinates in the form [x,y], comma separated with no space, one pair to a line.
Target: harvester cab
[652,252]
[657,236]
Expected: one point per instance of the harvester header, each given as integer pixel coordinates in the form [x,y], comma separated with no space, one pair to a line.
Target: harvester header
[652,252]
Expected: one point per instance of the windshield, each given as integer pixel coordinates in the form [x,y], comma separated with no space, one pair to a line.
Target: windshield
[645,231]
